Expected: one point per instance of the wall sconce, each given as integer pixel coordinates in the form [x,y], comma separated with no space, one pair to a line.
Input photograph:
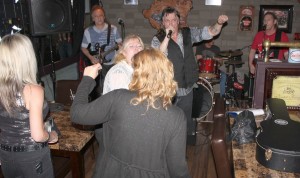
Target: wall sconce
[213,2]
[131,2]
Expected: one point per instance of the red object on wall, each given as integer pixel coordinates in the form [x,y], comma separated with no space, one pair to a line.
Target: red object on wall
[297,35]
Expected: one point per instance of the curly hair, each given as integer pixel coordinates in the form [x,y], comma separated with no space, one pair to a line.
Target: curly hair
[153,79]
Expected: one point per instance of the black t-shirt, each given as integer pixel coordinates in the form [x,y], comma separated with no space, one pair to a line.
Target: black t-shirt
[207,52]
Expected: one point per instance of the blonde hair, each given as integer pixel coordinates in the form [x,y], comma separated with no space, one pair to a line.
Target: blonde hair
[153,78]
[18,66]
[120,56]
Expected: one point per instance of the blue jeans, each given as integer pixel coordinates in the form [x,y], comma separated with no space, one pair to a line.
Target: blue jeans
[186,104]
[64,49]
[223,78]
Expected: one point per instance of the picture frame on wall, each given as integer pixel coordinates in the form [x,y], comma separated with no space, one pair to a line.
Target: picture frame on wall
[131,2]
[284,15]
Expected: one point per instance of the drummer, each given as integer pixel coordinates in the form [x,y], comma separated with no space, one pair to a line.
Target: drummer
[208,49]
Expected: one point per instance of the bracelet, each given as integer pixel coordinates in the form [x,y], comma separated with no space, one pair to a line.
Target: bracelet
[48,137]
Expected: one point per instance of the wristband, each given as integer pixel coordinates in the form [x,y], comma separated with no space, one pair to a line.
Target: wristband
[48,137]
[219,23]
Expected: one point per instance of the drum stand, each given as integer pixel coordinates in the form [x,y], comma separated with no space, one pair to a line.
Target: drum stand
[231,92]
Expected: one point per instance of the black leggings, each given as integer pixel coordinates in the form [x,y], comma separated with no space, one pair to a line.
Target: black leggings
[27,164]
[97,92]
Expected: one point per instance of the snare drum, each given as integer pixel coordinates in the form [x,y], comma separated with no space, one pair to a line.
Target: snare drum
[202,99]
[207,65]
[208,68]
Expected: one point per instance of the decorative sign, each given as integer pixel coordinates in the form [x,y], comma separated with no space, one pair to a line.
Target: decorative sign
[288,89]
[246,18]
[153,14]
[297,36]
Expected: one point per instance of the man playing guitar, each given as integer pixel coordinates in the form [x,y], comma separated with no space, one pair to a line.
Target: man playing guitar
[100,37]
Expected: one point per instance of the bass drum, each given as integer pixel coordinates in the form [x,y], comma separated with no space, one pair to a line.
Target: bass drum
[202,99]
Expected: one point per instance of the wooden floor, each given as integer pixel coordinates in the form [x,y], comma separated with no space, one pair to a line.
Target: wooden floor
[199,157]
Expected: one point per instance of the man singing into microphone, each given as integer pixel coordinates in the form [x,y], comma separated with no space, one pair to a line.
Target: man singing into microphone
[272,33]
[176,43]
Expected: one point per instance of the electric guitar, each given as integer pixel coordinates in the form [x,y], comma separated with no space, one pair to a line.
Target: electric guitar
[100,54]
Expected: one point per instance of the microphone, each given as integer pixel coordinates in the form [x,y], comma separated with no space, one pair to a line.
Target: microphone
[169,34]
[264,27]
[120,21]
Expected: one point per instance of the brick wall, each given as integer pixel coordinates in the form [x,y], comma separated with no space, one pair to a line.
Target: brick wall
[200,15]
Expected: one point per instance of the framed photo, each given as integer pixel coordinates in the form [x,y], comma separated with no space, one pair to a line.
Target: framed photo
[278,80]
[131,2]
[284,15]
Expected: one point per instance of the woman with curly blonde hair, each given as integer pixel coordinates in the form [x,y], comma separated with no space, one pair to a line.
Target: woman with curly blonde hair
[144,135]
[153,79]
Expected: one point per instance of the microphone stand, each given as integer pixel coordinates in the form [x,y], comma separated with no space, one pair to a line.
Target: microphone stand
[53,74]
[122,30]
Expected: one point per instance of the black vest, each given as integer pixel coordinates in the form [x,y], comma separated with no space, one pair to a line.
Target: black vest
[185,67]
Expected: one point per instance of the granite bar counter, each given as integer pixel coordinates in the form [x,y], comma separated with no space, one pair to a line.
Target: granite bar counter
[245,164]
[72,142]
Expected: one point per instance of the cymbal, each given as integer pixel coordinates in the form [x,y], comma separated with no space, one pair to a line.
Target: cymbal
[233,62]
[231,53]
[221,57]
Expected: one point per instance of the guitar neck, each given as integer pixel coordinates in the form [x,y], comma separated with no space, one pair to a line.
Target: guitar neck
[103,54]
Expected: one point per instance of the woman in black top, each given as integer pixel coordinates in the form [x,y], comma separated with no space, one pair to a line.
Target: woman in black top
[144,134]
[24,150]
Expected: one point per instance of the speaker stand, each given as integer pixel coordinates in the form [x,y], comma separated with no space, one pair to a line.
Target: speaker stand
[39,46]
[123,31]
[52,74]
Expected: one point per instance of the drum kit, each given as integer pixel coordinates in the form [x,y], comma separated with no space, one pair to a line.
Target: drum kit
[209,75]
[209,67]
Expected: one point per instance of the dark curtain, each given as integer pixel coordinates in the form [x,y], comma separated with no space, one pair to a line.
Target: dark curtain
[95,2]
[78,24]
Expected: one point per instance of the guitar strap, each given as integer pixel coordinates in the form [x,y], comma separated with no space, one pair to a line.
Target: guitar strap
[85,59]
[277,38]
[108,37]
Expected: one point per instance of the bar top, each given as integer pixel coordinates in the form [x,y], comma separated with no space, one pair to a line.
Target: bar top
[71,139]
[245,163]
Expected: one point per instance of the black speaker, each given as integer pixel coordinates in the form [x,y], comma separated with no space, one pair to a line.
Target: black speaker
[49,16]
